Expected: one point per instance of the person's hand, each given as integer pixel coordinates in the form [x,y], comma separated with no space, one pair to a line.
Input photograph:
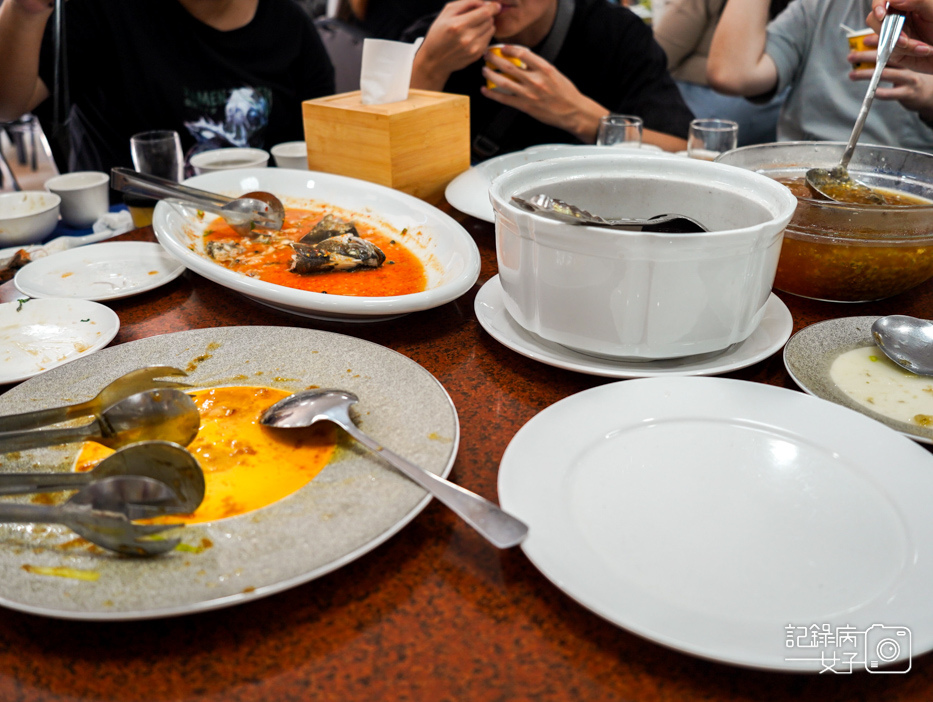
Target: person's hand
[912,89]
[542,92]
[914,43]
[457,38]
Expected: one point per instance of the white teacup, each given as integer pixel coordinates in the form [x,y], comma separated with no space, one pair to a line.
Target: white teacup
[85,196]
[291,154]
[226,159]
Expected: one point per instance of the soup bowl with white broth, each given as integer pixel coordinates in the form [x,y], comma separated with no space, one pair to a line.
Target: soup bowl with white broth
[636,294]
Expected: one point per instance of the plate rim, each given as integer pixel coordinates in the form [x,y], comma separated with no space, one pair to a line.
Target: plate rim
[265,590]
[490,295]
[107,246]
[511,494]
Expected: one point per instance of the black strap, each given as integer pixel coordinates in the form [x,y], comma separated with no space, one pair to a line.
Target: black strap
[486,144]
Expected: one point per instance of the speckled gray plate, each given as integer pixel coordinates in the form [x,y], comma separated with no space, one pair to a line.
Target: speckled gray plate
[810,353]
[354,504]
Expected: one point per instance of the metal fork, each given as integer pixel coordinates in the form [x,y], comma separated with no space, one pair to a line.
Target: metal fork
[102,514]
[123,387]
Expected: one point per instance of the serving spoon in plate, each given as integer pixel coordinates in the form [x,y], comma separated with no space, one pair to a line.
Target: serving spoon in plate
[308,407]
[907,341]
[244,214]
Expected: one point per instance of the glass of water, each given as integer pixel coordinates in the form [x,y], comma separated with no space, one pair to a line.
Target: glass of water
[710,137]
[620,130]
[157,153]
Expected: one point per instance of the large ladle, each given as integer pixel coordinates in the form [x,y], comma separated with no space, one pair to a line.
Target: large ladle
[164,461]
[836,183]
[311,406]
[907,341]
[165,414]
[244,214]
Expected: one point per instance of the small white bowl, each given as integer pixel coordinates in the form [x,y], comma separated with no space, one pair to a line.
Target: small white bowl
[228,159]
[291,154]
[27,217]
[640,295]
[85,196]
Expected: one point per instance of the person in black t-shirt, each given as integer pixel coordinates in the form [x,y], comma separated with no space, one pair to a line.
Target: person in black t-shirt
[219,73]
[608,62]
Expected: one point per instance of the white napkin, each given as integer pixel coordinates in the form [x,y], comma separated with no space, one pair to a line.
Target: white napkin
[386,70]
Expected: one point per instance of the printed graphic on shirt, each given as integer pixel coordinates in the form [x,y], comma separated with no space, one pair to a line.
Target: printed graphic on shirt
[227,117]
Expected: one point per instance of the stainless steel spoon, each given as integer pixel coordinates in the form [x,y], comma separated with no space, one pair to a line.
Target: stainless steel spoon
[836,183]
[255,210]
[101,513]
[311,406]
[164,461]
[565,212]
[127,384]
[165,414]
[907,341]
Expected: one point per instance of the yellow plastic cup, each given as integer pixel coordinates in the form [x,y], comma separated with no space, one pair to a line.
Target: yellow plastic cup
[857,43]
[497,50]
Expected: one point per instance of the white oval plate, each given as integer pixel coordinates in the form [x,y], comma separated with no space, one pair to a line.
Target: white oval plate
[99,272]
[37,335]
[710,514]
[448,252]
[356,503]
[469,191]
[774,329]
[809,356]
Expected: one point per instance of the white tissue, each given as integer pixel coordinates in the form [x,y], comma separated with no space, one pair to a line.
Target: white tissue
[386,70]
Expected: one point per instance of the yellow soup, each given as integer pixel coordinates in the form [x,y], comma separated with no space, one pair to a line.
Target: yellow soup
[246,465]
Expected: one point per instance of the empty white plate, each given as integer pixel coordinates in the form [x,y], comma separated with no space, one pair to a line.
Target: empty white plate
[37,335]
[105,271]
[710,514]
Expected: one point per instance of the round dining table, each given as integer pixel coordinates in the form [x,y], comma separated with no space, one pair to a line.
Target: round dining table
[435,612]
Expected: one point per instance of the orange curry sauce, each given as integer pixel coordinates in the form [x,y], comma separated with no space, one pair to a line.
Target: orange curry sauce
[401,274]
[246,465]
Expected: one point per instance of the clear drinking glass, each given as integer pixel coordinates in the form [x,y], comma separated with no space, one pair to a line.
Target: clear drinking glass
[710,137]
[620,130]
[158,153]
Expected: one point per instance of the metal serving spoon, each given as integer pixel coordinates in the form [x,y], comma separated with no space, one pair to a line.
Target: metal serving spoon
[836,183]
[311,406]
[255,210]
[101,513]
[907,341]
[165,414]
[565,212]
[164,461]
[121,388]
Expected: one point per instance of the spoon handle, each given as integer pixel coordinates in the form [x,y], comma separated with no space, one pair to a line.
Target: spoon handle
[25,483]
[24,440]
[890,30]
[495,525]
[44,417]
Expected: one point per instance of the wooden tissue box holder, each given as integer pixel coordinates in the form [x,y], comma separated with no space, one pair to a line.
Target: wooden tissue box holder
[417,146]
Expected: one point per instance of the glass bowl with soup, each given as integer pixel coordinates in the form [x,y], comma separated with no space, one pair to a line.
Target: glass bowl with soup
[843,252]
